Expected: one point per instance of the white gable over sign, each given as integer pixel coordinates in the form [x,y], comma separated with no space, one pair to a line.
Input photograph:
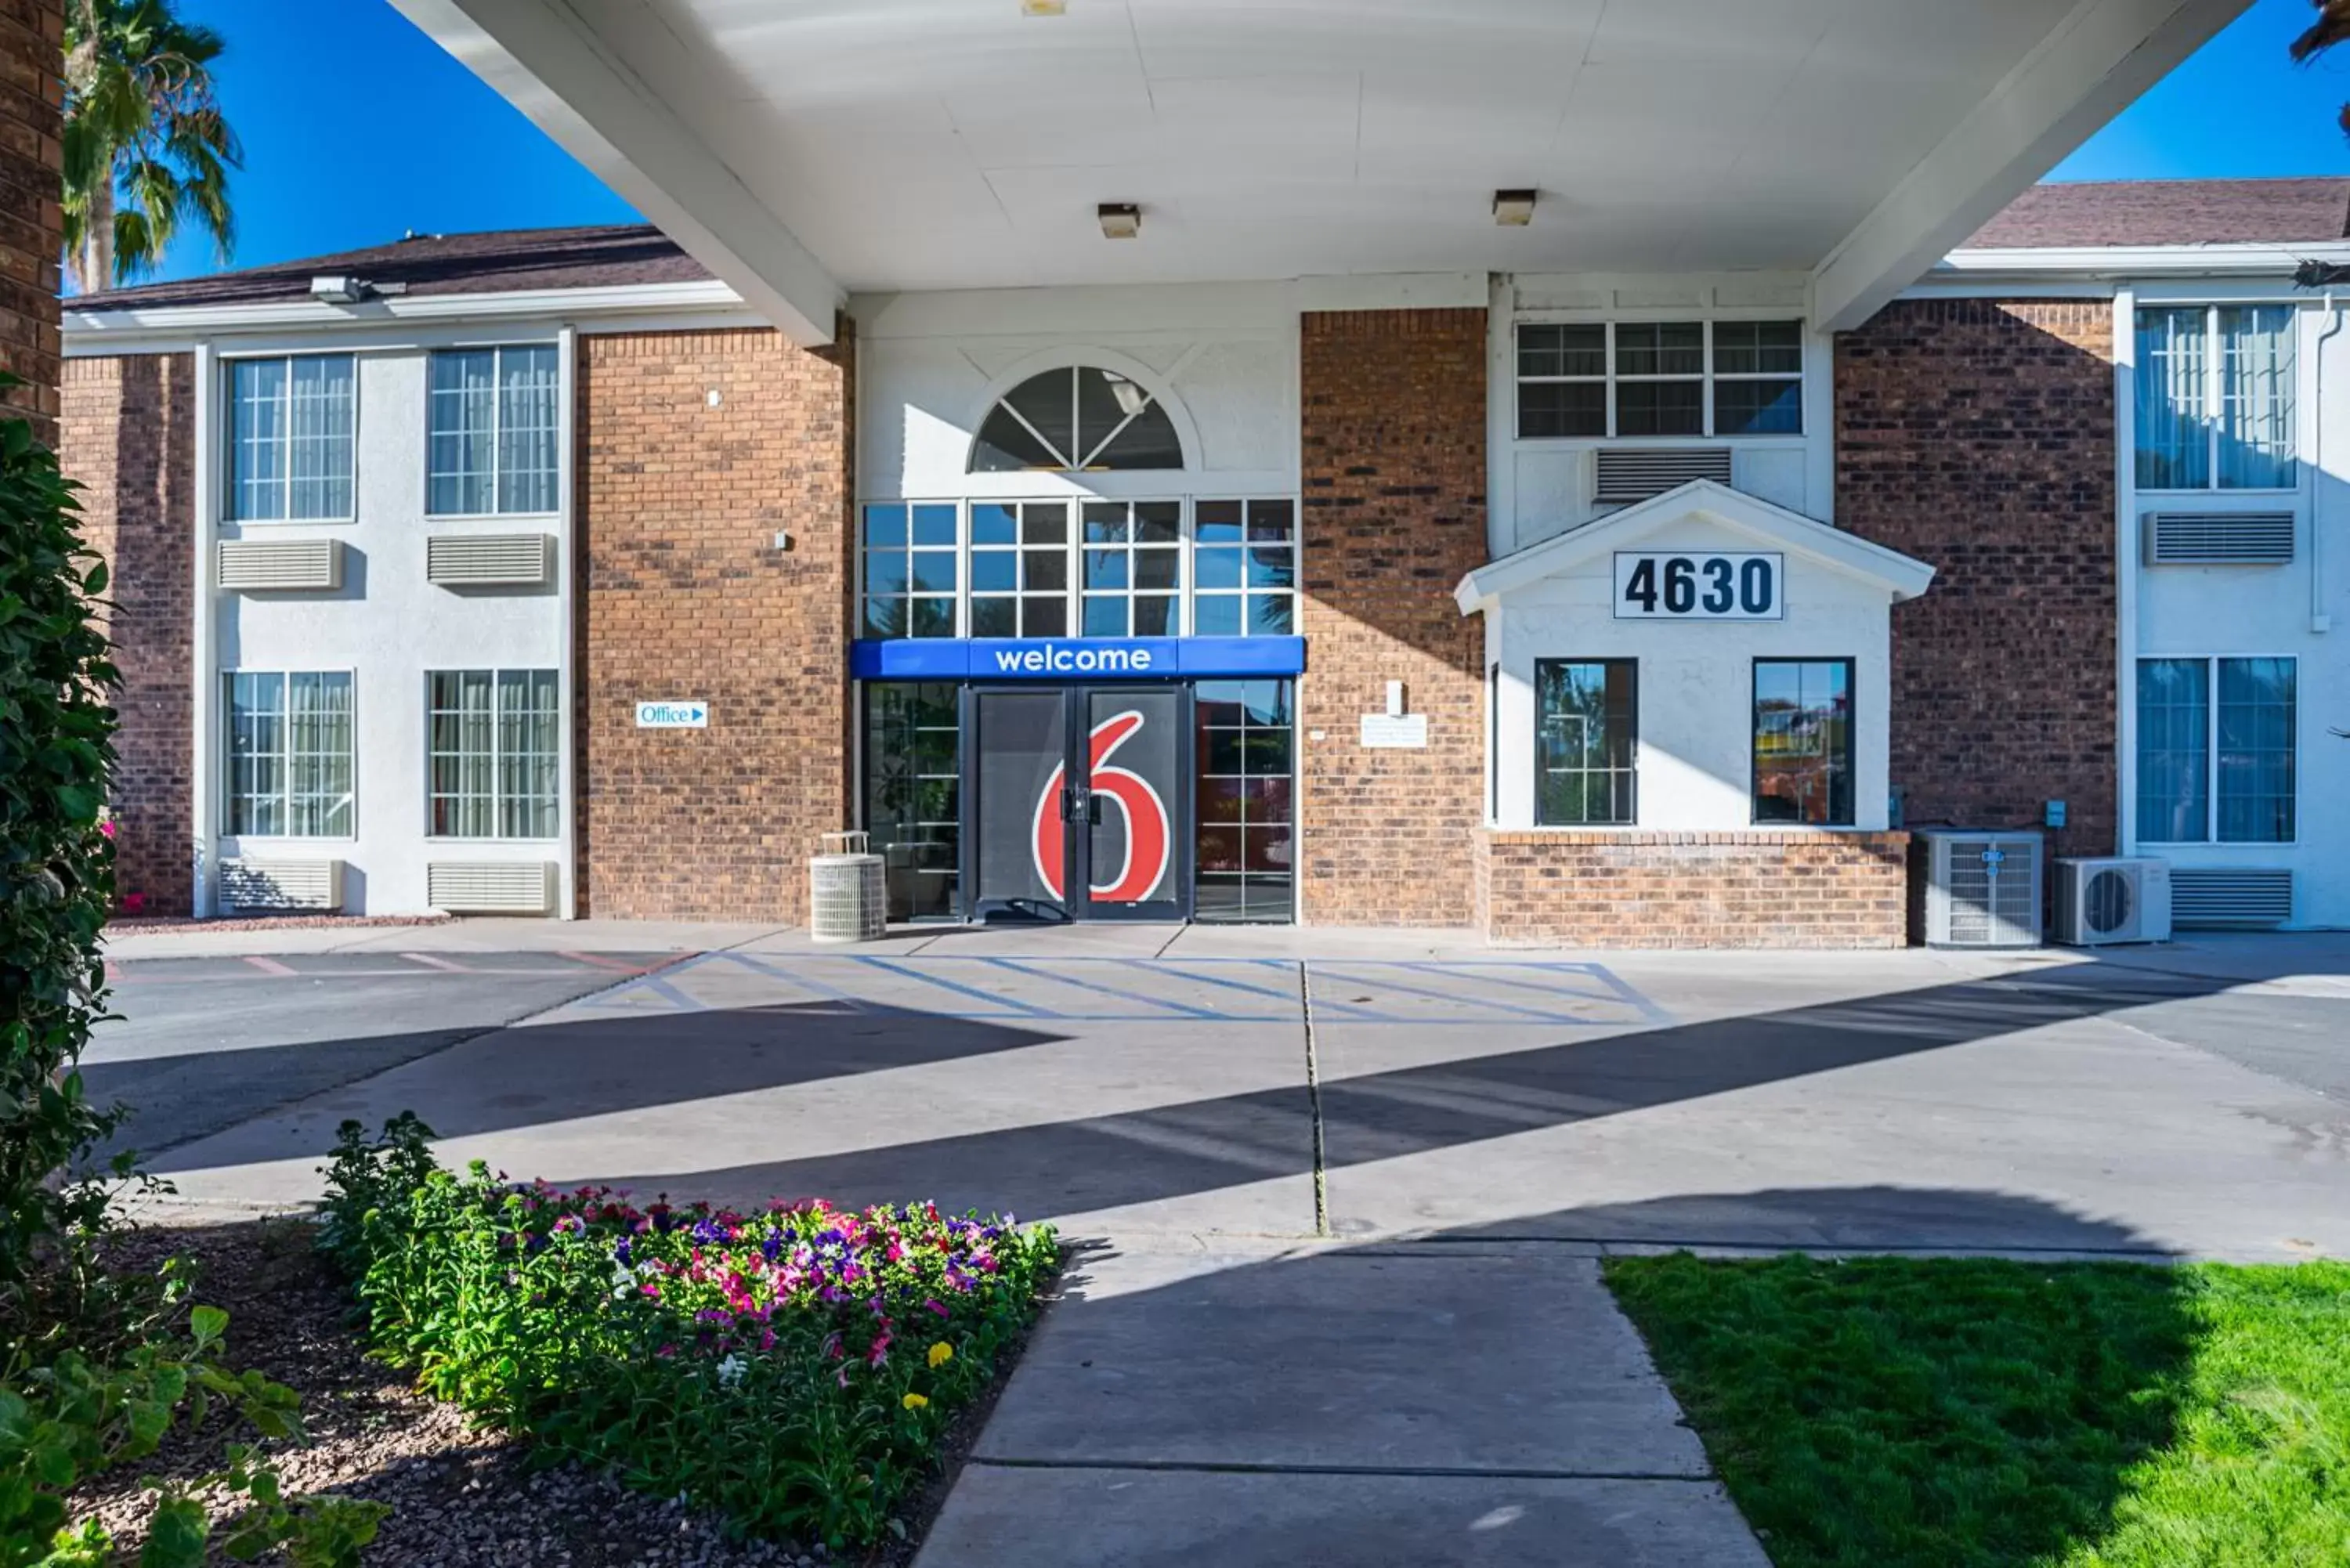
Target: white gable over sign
[1712,510]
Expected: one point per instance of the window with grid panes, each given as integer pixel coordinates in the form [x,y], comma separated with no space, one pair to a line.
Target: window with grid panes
[289,753]
[1133,569]
[1586,725]
[492,423]
[1244,569]
[2216,751]
[1020,568]
[911,574]
[1246,828]
[492,747]
[1598,379]
[291,423]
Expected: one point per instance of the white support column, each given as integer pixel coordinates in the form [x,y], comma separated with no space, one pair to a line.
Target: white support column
[203,753]
[2125,571]
[567,600]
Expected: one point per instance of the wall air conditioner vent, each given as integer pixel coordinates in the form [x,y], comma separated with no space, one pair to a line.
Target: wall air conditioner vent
[2218,898]
[490,887]
[1973,888]
[1637,473]
[2219,538]
[488,560]
[281,884]
[281,566]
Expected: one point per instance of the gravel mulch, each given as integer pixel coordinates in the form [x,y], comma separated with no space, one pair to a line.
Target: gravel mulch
[126,925]
[461,1498]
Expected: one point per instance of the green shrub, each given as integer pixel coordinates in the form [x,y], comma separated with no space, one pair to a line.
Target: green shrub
[794,1368]
[94,1367]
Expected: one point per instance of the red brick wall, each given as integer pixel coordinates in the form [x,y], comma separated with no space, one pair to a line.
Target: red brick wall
[32,59]
[1746,889]
[683,594]
[1979,435]
[127,434]
[1393,424]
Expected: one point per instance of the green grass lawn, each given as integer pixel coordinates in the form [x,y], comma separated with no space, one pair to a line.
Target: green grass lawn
[1957,1413]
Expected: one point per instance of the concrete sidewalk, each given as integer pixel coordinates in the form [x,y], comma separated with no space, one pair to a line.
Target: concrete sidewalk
[1365,1407]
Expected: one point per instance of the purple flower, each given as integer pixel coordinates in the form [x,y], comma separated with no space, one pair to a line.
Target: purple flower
[620,1251]
[772,1246]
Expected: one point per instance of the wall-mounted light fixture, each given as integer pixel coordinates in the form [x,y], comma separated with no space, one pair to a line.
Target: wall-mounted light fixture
[1043,7]
[1513,209]
[339,290]
[1120,220]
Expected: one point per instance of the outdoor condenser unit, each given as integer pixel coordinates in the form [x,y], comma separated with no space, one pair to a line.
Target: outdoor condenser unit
[1981,889]
[2111,901]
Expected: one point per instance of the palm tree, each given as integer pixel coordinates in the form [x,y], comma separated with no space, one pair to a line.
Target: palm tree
[146,144]
[2332,26]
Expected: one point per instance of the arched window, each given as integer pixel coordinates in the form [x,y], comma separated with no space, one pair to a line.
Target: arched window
[1083,420]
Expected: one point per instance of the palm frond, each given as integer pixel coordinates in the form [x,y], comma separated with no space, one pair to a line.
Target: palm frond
[2332,27]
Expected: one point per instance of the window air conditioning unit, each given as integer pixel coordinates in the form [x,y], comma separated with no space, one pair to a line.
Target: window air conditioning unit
[2219,538]
[490,887]
[310,884]
[1971,888]
[2110,900]
[2224,898]
[281,566]
[1637,473]
[488,560]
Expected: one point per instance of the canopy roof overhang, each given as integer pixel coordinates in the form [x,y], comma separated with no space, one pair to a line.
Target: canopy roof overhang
[806,149]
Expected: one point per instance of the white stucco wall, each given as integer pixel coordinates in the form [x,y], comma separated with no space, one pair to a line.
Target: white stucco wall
[1543,487]
[1222,360]
[2299,610]
[1696,681]
[388,625]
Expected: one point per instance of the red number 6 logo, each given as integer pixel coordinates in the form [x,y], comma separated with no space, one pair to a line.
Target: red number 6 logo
[1149,835]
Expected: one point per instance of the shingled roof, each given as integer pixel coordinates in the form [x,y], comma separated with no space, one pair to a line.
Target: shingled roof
[2091,213]
[497,262]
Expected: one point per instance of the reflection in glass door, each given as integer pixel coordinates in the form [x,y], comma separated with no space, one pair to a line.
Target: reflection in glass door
[1021,738]
[1246,831]
[1131,805]
[913,786]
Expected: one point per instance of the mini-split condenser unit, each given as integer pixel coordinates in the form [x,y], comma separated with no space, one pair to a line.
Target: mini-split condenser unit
[1974,888]
[2100,901]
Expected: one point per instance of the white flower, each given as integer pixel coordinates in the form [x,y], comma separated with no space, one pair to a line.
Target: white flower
[730,1372]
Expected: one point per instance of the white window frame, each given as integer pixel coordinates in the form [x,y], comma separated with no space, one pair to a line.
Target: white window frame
[499,794]
[2211,839]
[229,435]
[1707,375]
[2215,382]
[497,426]
[1187,590]
[227,763]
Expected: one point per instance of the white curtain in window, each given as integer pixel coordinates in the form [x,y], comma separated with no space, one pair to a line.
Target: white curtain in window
[319,423]
[257,438]
[2256,368]
[2174,427]
[319,755]
[526,752]
[526,430]
[461,459]
[463,762]
[256,753]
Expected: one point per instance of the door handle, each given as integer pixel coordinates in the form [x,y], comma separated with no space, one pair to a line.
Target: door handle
[1093,809]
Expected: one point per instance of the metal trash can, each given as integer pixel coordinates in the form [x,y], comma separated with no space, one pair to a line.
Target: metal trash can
[846,900]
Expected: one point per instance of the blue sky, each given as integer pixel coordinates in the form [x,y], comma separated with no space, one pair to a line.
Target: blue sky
[356,129]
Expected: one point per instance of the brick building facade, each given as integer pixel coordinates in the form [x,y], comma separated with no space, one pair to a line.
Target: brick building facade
[32,61]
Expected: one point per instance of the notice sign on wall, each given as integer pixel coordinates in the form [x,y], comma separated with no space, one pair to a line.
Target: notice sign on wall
[1404,730]
[679,715]
[1699,585]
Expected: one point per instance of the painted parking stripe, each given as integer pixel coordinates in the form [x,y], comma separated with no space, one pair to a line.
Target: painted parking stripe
[1455,997]
[795,975]
[1024,1009]
[1364,1014]
[268,965]
[1561,993]
[434,961]
[597,961]
[1095,986]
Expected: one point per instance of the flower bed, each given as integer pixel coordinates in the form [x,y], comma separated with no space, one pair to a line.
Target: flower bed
[795,1368]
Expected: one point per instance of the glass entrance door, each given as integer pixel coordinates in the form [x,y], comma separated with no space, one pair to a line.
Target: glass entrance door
[1083,809]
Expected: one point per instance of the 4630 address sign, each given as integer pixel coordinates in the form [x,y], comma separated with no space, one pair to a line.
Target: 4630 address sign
[1699,585]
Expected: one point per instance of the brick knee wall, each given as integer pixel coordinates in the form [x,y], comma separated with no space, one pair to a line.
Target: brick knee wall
[32,93]
[682,595]
[1393,452]
[1745,889]
[1979,435]
[127,434]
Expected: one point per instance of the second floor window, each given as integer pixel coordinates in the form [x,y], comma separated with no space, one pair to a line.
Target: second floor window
[493,422]
[290,423]
[2215,398]
[1603,378]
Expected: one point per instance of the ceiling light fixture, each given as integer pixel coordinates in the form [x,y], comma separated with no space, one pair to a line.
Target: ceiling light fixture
[1513,209]
[1120,220]
[1043,7]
